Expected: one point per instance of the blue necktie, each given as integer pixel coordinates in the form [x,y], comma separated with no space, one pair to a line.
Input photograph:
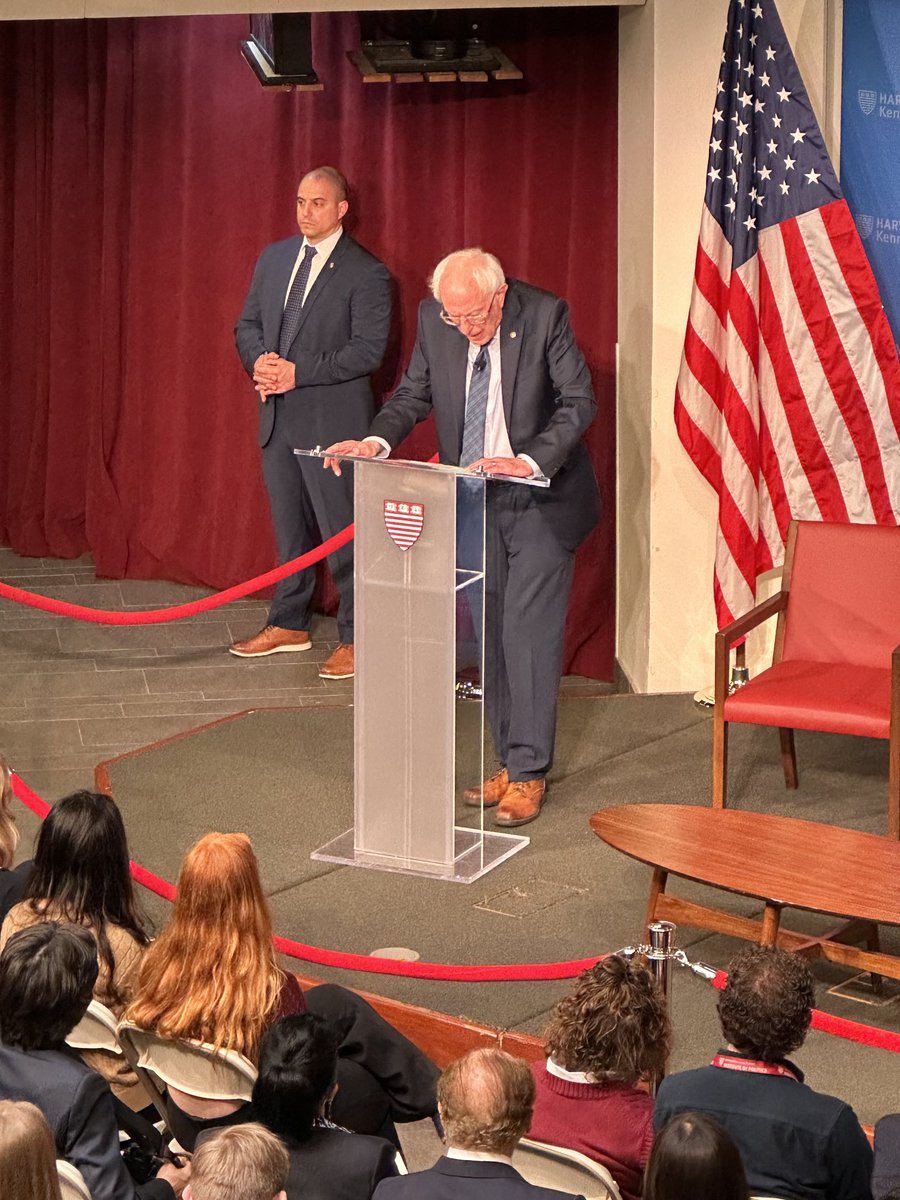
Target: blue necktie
[290,320]
[476,409]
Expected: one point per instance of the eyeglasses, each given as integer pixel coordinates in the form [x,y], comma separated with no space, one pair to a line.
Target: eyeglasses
[469,318]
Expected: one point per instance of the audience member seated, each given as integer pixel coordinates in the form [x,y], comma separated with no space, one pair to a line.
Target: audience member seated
[486,1101]
[13,880]
[794,1142]
[27,1153]
[243,1163]
[695,1159]
[47,974]
[886,1173]
[609,1032]
[81,875]
[212,976]
[293,1096]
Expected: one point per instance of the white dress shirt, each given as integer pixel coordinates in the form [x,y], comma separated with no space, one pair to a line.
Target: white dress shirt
[496,434]
[553,1068]
[477,1156]
[323,253]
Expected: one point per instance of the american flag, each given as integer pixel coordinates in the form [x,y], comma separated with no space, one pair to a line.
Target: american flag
[788,396]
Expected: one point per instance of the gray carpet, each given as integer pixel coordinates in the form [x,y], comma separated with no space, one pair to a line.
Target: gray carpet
[284,778]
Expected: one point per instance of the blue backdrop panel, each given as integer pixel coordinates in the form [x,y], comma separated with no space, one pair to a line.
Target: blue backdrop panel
[870,138]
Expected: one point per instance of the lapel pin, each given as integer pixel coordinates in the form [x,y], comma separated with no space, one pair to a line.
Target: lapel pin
[512,333]
[331,266]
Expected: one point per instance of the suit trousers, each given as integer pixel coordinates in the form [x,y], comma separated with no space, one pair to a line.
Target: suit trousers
[309,504]
[529,577]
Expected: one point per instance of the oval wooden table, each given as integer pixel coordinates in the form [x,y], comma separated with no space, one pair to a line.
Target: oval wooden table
[779,860]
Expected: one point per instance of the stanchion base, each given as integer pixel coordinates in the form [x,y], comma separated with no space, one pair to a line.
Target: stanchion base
[475,853]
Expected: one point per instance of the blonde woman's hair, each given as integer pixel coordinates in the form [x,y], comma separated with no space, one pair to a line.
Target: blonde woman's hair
[211,974]
[27,1153]
[9,834]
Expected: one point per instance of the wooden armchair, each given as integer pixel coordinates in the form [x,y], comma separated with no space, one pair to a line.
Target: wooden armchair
[836,665]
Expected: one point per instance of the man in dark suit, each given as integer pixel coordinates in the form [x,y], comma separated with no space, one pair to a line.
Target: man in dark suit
[313,329]
[496,361]
[47,974]
[485,1100]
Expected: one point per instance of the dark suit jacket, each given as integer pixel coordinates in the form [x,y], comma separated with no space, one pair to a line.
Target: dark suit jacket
[341,340]
[78,1106]
[548,399]
[332,1164]
[458,1179]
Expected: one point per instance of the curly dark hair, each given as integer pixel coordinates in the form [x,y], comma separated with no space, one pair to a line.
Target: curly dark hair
[766,1006]
[614,1024]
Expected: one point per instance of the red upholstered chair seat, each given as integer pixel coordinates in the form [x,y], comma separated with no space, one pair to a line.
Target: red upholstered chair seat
[831,697]
[836,665]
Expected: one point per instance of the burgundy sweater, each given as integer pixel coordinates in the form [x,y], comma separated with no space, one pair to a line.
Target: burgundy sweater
[611,1123]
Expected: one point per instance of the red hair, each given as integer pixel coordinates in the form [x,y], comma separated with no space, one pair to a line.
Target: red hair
[211,975]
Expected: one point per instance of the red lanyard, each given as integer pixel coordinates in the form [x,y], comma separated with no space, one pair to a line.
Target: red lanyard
[752,1066]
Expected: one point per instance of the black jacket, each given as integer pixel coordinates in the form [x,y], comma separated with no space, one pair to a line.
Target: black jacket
[78,1106]
[458,1179]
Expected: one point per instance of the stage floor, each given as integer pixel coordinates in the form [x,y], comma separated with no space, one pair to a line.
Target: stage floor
[284,777]
[75,694]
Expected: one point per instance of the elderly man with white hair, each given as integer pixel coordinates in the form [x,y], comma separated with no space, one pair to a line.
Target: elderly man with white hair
[495,359]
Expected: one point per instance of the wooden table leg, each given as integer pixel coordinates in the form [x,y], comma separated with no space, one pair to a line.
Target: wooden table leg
[657,889]
[770,922]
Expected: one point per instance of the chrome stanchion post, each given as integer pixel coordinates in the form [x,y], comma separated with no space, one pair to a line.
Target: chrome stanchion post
[659,955]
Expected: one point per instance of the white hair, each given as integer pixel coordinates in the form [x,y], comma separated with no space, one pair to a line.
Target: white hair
[483,268]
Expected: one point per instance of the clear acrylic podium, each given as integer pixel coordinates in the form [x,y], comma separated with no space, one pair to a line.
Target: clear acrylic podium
[419,569]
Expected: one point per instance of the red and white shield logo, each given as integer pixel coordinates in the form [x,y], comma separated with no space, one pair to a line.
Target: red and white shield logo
[404,521]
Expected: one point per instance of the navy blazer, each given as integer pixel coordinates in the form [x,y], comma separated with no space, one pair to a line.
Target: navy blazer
[78,1106]
[343,331]
[457,1178]
[548,400]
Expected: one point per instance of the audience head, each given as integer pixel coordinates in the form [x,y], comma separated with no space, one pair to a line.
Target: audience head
[766,1005]
[613,1025]
[239,1162]
[471,289]
[9,834]
[693,1158]
[47,975]
[297,1074]
[27,1153]
[82,872]
[486,1100]
[211,973]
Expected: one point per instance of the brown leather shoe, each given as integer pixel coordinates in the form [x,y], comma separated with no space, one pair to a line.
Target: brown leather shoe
[489,793]
[340,664]
[522,802]
[272,640]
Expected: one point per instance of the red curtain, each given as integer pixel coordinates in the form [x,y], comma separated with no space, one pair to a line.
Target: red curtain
[144,169]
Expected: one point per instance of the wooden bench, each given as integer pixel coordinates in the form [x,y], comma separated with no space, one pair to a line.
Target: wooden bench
[783,862]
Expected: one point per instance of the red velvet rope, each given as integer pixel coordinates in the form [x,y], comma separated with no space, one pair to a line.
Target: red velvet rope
[851,1031]
[157,616]
[355,962]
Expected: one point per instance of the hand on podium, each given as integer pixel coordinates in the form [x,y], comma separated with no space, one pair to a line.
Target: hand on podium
[357,449]
[502,466]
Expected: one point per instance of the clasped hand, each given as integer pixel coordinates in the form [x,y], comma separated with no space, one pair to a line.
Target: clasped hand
[273,375]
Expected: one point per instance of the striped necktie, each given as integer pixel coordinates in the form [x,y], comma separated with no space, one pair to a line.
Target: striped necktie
[476,409]
[290,319]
